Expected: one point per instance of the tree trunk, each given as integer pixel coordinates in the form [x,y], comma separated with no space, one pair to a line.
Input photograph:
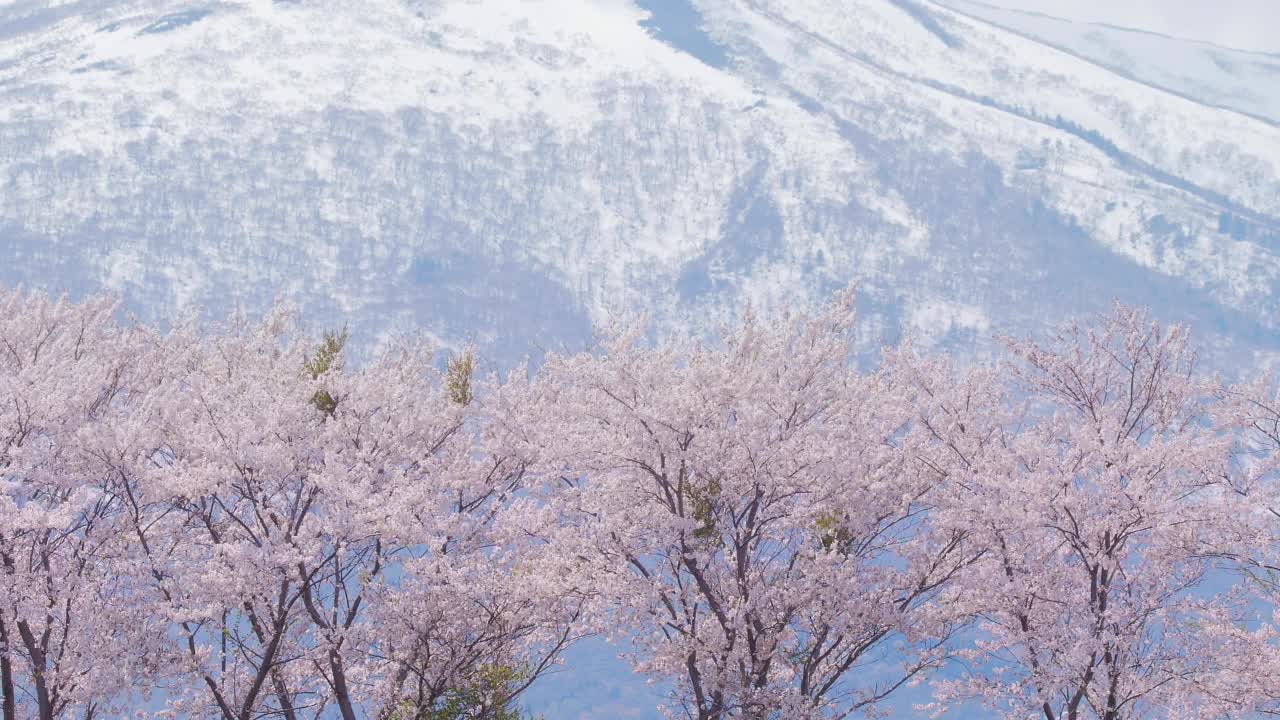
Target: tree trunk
[7,700]
[340,687]
[35,651]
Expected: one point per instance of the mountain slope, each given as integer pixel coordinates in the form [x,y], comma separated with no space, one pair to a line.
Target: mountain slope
[1245,81]
[513,172]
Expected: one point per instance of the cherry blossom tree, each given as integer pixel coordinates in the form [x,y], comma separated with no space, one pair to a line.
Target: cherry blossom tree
[70,628]
[230,521]
[752,516]
[1248,656]
[1099,510]
[325,540]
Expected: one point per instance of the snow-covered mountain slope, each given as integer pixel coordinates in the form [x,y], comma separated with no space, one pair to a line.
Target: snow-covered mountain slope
[511,172]
[1236,79]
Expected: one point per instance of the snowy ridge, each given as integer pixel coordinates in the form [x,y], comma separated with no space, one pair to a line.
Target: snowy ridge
[1223,77]
[512,172]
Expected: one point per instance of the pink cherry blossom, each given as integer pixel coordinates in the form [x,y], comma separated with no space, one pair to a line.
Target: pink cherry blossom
[230,521]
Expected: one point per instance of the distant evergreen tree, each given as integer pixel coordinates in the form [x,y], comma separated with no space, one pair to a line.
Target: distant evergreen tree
[329,358]
[489,697]
[458,378]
